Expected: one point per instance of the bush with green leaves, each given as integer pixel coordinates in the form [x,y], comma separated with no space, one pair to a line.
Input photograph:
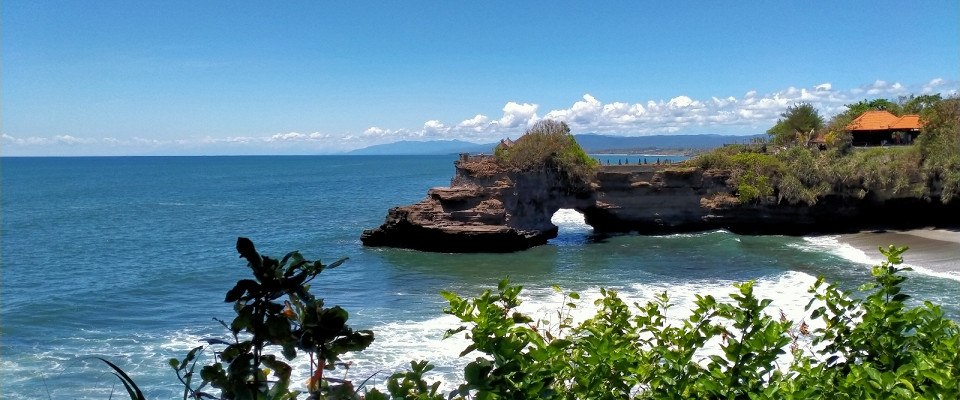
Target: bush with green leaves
[275,313]
[940,146]
[549,144]
[871,345]
[866,345]
[754,175]
[929,168]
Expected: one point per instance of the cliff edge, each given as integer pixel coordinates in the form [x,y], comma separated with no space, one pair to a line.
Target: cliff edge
[488,208]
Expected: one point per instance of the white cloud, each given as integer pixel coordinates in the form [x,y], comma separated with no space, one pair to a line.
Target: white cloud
[517,115]
[434,128]
[476,124]
[934,86]
[752,112]
[375,131]
[681,102]
[287,137]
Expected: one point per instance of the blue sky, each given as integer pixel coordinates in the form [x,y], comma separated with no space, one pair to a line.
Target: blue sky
[221,77]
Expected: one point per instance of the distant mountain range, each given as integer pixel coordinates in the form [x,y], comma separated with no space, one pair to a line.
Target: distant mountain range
[592,143]
[407,147]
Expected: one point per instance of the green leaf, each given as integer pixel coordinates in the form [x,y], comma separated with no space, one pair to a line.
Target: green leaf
[247,250]
[337,263]
[132,390]
[471,347]
[242,287]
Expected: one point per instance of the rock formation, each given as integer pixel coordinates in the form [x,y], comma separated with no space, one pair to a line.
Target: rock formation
[489,209]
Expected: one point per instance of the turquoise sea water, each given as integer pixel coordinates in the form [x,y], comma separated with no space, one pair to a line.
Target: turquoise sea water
[129,259]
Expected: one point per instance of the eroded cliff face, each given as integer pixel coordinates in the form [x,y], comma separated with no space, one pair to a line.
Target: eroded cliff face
[500,211]
[486,209]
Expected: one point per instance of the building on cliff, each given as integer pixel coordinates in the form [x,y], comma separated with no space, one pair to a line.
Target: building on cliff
[505,144]
[880,127]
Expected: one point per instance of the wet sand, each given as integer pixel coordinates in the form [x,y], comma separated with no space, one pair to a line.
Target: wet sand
[937,250]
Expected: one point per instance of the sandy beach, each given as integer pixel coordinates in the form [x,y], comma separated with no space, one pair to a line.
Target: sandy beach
[937,250]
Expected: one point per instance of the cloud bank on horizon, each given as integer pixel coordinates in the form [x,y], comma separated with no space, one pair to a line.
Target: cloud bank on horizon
[750,113]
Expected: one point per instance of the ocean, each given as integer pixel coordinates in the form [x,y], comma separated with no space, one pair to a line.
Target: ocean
[129,258]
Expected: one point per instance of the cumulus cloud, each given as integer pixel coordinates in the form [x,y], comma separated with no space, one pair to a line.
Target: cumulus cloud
[434,128]
[517,115]
[751,112]
[476,124]
[941,86]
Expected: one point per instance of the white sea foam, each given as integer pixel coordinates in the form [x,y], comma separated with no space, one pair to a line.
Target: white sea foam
[695,234]
[399,342]
[832,244]
[570,220]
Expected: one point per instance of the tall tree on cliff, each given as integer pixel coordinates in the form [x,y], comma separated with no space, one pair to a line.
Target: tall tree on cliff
[918,104]
[798,124]
[863,106]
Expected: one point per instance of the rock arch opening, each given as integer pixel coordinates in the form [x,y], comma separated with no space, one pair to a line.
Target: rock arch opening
[571,226]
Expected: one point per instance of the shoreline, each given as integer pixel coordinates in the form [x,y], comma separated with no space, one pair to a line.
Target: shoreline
[936,250]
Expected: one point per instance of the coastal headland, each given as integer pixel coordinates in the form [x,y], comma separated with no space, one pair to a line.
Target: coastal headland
[488,208]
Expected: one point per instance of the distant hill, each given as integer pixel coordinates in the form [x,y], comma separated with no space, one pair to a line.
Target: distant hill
[591,142]
[407,147]
[594,143]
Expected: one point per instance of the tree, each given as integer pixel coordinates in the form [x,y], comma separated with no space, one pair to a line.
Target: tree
[799,124]
[917,104]
[863,106]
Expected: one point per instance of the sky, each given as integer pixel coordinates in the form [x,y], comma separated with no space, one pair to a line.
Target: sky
[102,77]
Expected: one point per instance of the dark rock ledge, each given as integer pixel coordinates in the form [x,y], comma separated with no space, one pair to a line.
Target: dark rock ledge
[491,210]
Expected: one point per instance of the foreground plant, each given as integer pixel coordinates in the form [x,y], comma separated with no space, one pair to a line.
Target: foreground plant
[877,347]
[869,347]
[276,313]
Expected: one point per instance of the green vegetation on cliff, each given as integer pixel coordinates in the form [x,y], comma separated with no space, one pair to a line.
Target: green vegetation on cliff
[788,170]
[548,144]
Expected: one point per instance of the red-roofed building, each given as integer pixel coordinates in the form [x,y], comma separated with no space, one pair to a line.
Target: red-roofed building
[505,144]
[882,127]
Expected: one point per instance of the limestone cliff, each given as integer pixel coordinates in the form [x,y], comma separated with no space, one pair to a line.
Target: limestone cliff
[489,209]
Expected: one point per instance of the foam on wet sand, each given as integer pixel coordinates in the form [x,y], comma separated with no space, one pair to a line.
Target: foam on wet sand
[937,250]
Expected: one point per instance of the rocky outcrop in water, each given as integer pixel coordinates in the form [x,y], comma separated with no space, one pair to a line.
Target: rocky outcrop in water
[487,209]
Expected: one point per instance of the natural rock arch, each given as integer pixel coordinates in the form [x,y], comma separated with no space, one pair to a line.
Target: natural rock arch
[502,211]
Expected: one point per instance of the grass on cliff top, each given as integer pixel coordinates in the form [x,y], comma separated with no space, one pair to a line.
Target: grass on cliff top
[548,144]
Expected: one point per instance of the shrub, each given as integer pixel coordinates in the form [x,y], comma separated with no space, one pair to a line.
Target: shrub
[299,323]
[872,346]
[796,175]
[752,174]
[549,144]
[940,146]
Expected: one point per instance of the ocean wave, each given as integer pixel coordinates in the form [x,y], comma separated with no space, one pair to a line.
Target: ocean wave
[696,234]
[397,342]
[832,244]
